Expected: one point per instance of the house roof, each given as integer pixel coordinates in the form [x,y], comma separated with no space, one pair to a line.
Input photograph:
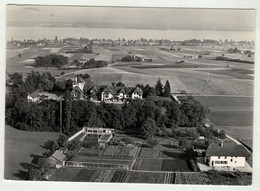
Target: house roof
[79,79]
[76,88]
[228,149]
[35,94]
[58,156]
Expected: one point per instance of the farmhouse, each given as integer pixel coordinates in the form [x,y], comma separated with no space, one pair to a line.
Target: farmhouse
[119,93]
[57,158]
[39,96]
[142,58]
[229,154]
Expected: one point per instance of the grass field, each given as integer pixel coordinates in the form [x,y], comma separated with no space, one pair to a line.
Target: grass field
[66,174]
[20,148]
[85,175]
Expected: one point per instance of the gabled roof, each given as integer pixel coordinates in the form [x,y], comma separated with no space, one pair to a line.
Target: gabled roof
[59,156]
[137,90]
[76,88]
[79,79]
[35,94]
[228,149]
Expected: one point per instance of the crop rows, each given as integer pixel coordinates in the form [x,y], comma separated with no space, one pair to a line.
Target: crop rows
[101,176]
[169,178]
[134,151]
[119,176]
[89,152]
[110,150]
[149,153]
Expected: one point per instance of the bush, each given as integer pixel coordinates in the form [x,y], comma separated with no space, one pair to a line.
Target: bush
[152,142]
[127,140]
[62,73]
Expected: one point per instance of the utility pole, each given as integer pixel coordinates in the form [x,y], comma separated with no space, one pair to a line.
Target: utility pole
[60,115]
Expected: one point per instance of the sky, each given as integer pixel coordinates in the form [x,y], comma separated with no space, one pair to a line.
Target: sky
[145,18]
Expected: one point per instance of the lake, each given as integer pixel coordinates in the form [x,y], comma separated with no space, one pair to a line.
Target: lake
[35,33]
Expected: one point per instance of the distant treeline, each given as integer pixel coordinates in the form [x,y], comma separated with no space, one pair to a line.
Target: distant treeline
[233,60]
[81,50]
[51,61]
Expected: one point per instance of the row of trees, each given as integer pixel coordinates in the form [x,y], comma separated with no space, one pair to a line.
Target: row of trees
[51,61]
[92,63]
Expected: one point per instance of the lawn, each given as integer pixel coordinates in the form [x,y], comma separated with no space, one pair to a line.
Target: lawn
[146,177]
[175,165]
[151,164]
[20,149]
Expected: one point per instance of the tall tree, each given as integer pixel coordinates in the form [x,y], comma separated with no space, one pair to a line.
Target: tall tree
[167,89]
[67,111]
[159,87]
[149,128]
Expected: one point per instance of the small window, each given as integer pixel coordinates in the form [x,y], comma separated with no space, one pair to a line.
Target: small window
[218,157]
[225,157]
[231,160]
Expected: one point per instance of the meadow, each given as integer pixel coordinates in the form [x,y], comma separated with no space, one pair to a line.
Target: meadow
[21,147]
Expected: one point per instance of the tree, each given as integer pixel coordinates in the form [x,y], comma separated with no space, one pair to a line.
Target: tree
[54,146]
[159,88]
[148,91]
[34,174]
[16,79]
[120,84]
[167,89]
[19,55]
[62,73]
[67,111]
[44,164]
[149,128]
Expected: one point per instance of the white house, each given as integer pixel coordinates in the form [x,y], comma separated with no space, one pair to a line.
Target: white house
[227,154]
[117,93]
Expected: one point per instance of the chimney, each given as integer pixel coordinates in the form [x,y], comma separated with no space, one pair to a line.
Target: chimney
[221,144]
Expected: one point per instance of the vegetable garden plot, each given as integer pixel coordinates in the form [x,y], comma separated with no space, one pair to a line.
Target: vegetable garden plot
[175,165]
[119,176]
[85,175]
[101,176]
[150,153]
[151,164]
[194,178]
[110,150]
[146,177]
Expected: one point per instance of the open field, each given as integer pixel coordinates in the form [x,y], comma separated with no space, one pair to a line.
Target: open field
[20,149]
[175,165]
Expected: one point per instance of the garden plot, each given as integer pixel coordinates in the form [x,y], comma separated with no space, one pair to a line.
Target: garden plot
[66,174]
[173,154]
[119,176]
[175,165]
[86,175]
[146,177]
[110,150]
[101,176]
[90,151]
[193,178]
[151,164]
[150,153]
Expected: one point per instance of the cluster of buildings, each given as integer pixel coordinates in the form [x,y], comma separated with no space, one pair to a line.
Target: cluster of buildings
[84,89]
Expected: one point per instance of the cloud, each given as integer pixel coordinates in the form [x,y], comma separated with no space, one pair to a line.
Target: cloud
[31,9]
